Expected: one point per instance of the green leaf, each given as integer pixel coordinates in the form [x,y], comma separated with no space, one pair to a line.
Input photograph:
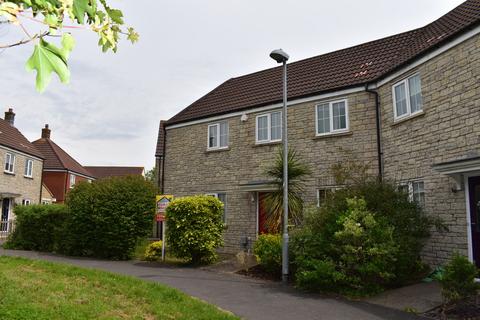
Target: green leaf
[48,58]
[51,20]
[116,15]
[132,35]
[68,43]
[80,7]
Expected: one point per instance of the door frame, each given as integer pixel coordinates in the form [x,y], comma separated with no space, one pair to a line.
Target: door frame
[466,177]
[9,213]
[257,213]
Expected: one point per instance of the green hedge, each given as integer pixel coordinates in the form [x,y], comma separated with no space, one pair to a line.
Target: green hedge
[108,217]
[103,219]
[194,228]
[38,227]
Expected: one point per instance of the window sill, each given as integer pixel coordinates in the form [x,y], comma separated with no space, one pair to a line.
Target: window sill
[415,115]
[269,143]
[333,135]
[217,150]
[28,177]
[9,173]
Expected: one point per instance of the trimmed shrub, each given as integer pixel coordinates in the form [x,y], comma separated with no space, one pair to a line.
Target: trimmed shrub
[153,251]
[268,250]
[458,280]
[359,258]
[109,216]
[38,227]
[194,228]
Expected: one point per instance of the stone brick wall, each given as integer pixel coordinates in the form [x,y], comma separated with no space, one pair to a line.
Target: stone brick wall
[28,188]
[447,130]
[191,169]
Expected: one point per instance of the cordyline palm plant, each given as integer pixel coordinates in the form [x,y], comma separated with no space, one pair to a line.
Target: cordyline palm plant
[297,171]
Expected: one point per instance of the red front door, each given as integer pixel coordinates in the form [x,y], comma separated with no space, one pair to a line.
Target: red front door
[474,193]
[262,216]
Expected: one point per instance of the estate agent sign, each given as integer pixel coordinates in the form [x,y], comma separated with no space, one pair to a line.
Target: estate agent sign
[163,201]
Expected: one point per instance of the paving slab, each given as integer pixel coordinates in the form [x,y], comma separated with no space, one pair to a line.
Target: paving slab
[245,297]
[420,297]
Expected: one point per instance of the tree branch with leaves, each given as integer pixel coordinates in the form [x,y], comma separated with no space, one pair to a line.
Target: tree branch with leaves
[56,18]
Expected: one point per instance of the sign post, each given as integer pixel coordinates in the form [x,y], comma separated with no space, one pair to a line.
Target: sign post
[162,203]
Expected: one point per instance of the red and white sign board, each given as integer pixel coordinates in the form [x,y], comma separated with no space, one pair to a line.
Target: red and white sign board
[162,203]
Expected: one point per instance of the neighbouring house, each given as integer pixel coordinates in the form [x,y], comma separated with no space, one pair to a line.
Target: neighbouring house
[60,172]
[101,172]
[407,105]
[21,180]
[47,196]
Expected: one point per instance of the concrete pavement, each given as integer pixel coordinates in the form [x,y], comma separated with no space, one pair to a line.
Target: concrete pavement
[247,298]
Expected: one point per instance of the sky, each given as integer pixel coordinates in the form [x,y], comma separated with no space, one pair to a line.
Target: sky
[110,111]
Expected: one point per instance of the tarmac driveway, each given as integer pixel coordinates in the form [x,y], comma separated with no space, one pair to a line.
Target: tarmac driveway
[245,297]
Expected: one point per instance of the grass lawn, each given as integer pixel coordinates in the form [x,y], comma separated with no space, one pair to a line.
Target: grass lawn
[31,289]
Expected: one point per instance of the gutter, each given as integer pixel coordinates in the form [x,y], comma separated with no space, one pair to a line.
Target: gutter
[162,160]
[378,131]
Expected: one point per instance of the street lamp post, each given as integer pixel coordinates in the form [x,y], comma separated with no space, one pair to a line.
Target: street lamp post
[282,57]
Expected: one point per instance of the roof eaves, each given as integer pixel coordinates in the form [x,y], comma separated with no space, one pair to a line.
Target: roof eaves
[425,52]
[38,155]
[265,104]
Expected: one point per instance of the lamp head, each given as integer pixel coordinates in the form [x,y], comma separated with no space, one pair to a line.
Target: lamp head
[279,55]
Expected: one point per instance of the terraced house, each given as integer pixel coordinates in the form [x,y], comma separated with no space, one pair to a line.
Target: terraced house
[21,179]
[407,106]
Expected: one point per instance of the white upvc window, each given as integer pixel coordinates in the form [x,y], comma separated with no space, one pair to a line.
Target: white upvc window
[269,127]
[218,135]
[407,97]
[9,163]
[331,117]
[222,196]
[26,202]
[415,191]
[72,180]
[29,168]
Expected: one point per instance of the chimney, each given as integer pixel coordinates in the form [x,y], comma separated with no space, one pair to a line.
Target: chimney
[46,132]
[10,116]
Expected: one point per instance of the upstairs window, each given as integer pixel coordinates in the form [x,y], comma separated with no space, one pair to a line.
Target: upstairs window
[407,97]
[332,117]
[269,127]
[29,168]
[9,163]
[218,135]
[72,180]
